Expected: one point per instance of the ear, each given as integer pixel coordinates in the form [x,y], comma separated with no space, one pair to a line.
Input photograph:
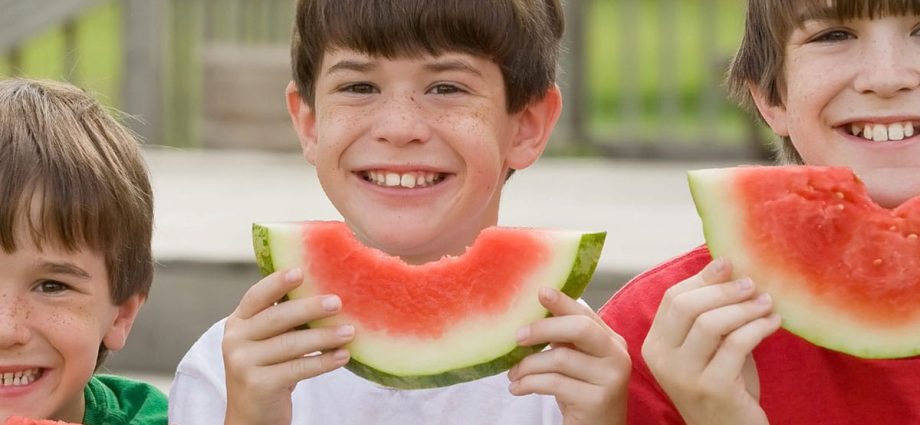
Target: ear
[116,336]
[304,119]
[774,115]
[535,124]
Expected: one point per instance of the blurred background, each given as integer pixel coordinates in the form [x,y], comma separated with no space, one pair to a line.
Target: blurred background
[201,82]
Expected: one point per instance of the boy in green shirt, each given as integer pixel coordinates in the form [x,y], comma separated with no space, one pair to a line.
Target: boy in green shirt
[76,213]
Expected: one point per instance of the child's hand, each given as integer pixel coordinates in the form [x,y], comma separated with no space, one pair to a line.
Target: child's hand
[586,369]
[700,343]
[265,357]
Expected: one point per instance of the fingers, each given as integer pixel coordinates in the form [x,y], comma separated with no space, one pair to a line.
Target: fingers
[684,302]
[571,363]
[728,362]
[299,343]
[290,314]
[573,323]
[711,327]
[268,291]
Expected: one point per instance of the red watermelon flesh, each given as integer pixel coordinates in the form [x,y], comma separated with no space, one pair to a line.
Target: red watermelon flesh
[386,294]
[437,324]
[844,272]
[19,420]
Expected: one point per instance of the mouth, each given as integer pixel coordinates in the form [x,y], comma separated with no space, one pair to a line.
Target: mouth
[408,180]
[876,132]
[20,378]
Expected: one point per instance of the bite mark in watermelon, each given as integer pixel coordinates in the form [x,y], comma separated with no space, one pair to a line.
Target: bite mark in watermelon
[437,324]
[844,272]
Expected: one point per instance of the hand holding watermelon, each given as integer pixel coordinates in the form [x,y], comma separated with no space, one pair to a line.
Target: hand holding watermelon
[700,343]
[264,356]
[586,369]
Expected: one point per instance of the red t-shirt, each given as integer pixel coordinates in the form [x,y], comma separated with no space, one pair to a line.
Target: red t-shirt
[800,383]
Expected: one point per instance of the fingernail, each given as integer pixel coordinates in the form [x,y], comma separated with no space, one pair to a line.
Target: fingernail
[512,386]
[340,354]
[345,331]
[523,333]
[549,294]
[744,284]
[293,275]
[763,299]
[332,303]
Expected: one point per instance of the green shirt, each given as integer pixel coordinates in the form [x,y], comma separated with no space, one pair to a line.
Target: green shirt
[114,400]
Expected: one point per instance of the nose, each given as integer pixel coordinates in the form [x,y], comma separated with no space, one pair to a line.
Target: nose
[401,121]
[890,66]
[14,317]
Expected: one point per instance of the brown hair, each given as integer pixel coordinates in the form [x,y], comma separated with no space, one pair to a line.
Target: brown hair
[521,36]
[74,177]
[759,60]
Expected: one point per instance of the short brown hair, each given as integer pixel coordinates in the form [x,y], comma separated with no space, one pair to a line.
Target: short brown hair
[521,36]
[58,144]
[760,59]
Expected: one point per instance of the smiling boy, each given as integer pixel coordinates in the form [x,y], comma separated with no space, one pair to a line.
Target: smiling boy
[839,83]
[414,113]
[75,264]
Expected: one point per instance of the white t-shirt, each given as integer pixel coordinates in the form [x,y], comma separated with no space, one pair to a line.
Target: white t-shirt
[199,396]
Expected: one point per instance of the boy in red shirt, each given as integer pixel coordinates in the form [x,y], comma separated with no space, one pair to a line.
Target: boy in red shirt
[708,350]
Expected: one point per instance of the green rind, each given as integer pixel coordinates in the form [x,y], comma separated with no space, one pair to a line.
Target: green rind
[261,237]
[583,267]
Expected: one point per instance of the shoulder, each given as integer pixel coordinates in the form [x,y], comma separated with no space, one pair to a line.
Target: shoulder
[635,304]
[112,399]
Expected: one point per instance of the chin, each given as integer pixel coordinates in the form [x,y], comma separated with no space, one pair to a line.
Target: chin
[891,189]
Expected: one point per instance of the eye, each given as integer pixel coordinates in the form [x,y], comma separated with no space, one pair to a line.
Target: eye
[51,287]
[832,36]
[359,88]
[444,88]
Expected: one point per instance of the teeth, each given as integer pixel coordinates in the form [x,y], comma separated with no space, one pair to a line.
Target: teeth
[882,132]
[408,180]
[25,377]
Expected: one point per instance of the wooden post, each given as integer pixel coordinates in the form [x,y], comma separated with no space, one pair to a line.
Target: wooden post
[571,78]
[143,89]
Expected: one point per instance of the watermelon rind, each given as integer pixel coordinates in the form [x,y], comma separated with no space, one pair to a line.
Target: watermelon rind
[392,362]
[803,313]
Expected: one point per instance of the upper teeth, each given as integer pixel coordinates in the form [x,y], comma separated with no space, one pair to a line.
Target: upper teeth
[882,132]
[409,179]
[23,377]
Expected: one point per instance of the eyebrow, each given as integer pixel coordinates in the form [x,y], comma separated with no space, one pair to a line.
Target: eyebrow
[66,269]
[351,65]
[452,65]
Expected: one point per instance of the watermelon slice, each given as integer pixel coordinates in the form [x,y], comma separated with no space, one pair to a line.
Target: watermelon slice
[437,324]
[19,420]
[844,273]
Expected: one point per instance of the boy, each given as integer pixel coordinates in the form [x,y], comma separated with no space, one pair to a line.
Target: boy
[444,99]
[820,73]
[75,263]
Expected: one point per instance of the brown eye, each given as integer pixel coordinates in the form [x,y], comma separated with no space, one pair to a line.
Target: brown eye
[832,36]
[360,88]
[445,89]
[51,287]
